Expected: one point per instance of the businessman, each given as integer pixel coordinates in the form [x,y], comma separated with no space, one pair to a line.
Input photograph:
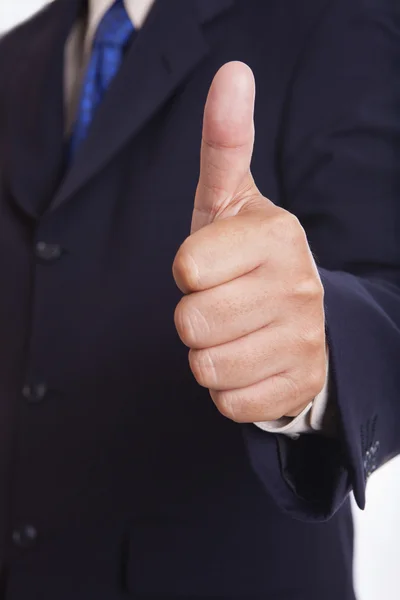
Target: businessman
[200,295]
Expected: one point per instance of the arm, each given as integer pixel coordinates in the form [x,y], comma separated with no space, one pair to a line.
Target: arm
[340,165]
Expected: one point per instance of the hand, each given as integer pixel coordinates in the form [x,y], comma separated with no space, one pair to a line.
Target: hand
[253,313]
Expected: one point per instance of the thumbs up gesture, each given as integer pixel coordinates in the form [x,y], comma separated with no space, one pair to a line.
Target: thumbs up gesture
[252,314]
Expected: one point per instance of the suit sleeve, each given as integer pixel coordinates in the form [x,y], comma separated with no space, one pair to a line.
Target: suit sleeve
[340,166]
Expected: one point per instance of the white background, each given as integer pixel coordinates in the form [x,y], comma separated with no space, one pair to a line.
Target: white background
[377,557]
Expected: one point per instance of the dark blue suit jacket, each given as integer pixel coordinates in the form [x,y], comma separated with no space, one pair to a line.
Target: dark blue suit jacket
[118,476]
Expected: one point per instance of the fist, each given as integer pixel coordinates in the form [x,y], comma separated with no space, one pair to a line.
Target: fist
[253,313]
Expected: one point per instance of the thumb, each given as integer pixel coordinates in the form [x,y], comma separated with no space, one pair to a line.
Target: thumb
[227,144]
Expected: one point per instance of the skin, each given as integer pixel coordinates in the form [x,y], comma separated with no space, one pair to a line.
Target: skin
[253,310]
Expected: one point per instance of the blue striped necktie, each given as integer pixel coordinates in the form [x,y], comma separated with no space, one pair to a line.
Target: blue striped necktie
[111,38]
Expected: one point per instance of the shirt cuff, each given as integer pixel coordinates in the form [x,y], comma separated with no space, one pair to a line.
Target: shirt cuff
[312,419]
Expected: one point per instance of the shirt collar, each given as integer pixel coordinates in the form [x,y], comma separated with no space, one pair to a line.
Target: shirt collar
[137,11]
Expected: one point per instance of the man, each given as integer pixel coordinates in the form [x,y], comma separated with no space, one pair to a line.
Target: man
[127,470]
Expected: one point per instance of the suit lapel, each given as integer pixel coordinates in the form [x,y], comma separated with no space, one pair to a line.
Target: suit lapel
[166,50]
[35,115]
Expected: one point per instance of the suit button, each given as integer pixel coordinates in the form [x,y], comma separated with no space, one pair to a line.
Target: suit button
[25,537]
[48,252]
[34,394]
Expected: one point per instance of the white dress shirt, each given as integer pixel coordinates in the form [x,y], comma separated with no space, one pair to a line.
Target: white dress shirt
[77,55]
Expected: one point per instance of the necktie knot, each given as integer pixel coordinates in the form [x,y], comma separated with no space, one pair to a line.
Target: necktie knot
[115,28]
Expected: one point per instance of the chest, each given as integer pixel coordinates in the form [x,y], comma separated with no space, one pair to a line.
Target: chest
[106,293]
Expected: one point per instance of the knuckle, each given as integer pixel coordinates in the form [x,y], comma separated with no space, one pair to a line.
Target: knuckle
[287,223]
[185,269]
[296,236]
[308,289]
[286,231]
[277,224]
[227,404]
[292,224]
[313,338]
[190,323]
[203,368]
[316,381]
